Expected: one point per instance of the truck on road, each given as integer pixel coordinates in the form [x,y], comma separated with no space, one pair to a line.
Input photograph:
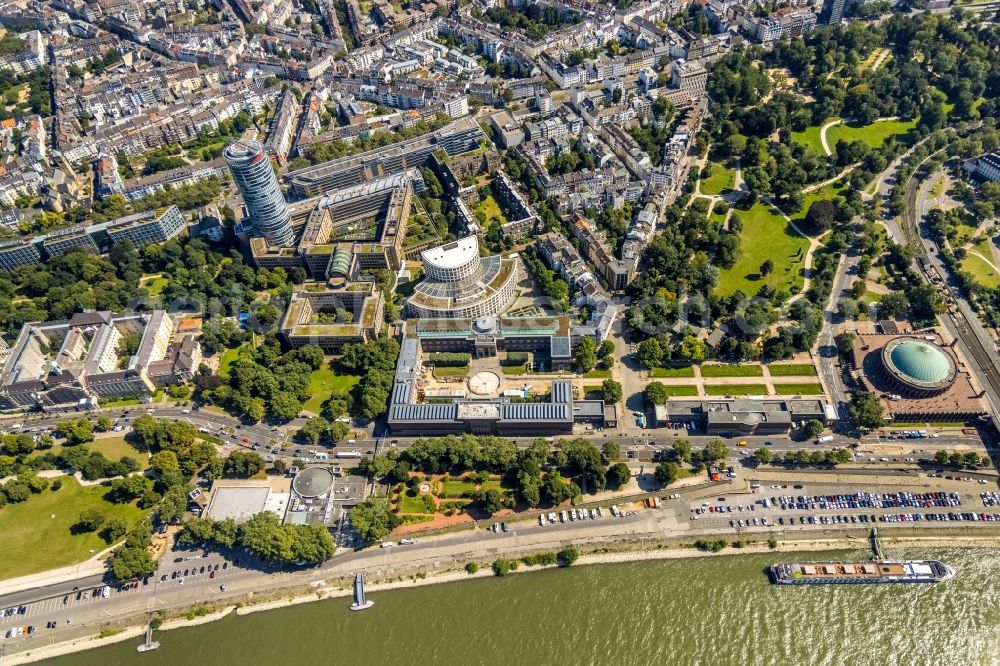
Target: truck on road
[824,439]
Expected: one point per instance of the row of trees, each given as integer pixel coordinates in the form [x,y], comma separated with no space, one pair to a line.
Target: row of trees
[264,535]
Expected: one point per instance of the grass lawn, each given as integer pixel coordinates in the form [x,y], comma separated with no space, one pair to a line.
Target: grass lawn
[793,370]
[447,371]
[765,235]
[870,297]
[452,488]
[737,389]
[598,374]
[491,209]
[128,402]
[416,504]
[938,189]
[732,371]
[723,178]
[228,357]
[155,286]
[718,218]
[982,272]
[686,371]
[324,382]
[36,532]
[682,391]
[798,389]
[113,448]
[874,135]
[514,370]
[809,137]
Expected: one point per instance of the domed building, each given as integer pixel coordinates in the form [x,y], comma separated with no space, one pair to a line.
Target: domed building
[917,368]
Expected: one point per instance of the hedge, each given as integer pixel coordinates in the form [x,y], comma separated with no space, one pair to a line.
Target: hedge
[451,359]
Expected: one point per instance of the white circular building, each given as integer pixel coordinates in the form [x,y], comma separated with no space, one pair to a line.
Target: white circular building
[459,284]
[453,262]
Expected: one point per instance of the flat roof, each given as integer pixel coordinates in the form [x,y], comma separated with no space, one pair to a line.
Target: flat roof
[454,254]
[238,502]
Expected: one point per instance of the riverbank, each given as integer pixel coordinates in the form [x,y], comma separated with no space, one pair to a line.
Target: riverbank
[647,550]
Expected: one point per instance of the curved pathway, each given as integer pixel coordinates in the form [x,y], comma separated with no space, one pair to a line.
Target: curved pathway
[822,134]
[813,246]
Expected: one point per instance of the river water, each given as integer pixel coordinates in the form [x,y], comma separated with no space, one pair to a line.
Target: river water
[708,611]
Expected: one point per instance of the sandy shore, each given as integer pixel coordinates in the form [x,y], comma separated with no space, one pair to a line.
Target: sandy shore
[322,591]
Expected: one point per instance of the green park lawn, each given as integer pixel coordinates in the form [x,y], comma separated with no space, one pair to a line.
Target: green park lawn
[765,235]
[598,374]
[798,389]
[682,391]
[723,178]
[324,382]
[809,137]
[718,218]
[36,532]
[227,359]
[453,488]
[686,371]
[874,134]
[982,272]
[113,448]
[736,389]
[155,286]
[731,371]
[792,370]
[490,209]
[414,504]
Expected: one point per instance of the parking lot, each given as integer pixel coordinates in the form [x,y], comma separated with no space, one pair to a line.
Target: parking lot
[786,506]
[190,569]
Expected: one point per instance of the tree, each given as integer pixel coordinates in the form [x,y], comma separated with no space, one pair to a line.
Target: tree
[77,431]
[373,519]
[568,556]
[129,488]
[766,268]
[586,354]
[821,215]
[692,349]
[682,448]
[263,534]
[114,529]
[814,428]
[845,342]
[667,472]
[104,423]
[649,353]
[611,451]
[867,410]
[492,501]
[91,520]
[655,393]
[618,475]
[611,391]
[314,430]
[763,455]
[242,465]
[133,560]
[716,450]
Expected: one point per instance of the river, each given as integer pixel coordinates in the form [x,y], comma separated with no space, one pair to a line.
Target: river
[717,611]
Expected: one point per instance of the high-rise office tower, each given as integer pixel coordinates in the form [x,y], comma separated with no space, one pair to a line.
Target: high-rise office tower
[253,174]
[836,12]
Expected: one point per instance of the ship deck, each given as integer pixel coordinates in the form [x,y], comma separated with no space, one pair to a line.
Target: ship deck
[843,570]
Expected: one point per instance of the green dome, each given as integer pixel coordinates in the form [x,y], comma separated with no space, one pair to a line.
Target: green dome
[921,362]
